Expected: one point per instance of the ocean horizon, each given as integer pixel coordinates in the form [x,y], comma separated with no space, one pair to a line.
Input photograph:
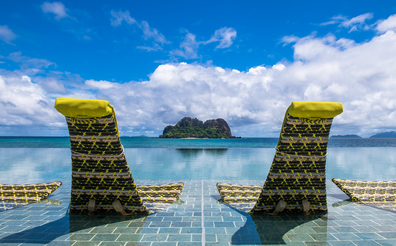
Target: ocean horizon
[155,142]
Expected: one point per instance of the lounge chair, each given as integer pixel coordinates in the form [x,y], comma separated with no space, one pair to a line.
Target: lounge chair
[297,179]
[101,178]
[29,193]
[369,192]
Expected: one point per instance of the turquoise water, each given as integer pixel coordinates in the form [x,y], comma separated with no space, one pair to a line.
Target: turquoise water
[63,142]
[48,159]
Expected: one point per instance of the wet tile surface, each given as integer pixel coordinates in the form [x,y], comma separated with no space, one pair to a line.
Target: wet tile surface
[198,220]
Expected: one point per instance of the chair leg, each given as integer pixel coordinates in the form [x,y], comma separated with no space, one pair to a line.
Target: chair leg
[305,205]
[280,207]
[91,207]
[119,208]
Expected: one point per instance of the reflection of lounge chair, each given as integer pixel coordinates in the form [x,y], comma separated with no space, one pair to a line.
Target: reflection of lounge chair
[101,178]
[24,194]
[297,178]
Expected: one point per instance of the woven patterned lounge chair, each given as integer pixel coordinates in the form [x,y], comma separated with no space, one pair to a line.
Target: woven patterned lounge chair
[29,193]
[297,177]
[368,192]
[101,178]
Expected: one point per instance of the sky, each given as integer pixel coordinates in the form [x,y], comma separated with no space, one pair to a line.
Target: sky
[159,61]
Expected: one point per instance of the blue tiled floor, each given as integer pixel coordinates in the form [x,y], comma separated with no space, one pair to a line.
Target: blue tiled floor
[199,220]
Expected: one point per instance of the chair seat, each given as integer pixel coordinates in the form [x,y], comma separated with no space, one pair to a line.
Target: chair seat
[368,191]
[238,193]
[29,193]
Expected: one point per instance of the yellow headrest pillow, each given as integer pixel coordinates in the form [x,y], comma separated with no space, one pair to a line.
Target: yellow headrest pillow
[315,109]
[83,108]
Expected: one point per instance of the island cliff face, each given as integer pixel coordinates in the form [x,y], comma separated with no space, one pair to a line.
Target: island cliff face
[194,128]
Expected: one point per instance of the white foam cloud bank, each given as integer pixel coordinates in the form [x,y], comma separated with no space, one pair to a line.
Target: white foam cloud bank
[360,75]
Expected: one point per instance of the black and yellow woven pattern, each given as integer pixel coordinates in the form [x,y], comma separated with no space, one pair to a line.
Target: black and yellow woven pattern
[29,193]
[167,193]
[368,191]
[238,193]
[99,167]
[297,173]
[100,171]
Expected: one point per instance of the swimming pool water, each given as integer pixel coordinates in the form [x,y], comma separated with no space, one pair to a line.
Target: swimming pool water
[200,219]
[44,165]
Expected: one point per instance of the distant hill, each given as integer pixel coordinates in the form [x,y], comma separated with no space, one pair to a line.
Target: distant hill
[346,136]
[194,128]
[391,134]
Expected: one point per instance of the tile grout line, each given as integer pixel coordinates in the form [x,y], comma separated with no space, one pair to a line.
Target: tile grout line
[202,215]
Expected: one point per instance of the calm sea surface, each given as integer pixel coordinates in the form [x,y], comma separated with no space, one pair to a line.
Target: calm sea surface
[32,159]
[127,142]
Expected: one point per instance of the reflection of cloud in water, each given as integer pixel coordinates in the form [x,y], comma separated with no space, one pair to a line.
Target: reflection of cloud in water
[34,165]
[46,165]
[369,163]
[198,164]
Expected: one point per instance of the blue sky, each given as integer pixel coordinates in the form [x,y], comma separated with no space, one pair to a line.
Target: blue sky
[158,61]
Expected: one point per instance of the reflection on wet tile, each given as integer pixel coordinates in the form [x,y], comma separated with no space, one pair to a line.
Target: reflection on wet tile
[201,216]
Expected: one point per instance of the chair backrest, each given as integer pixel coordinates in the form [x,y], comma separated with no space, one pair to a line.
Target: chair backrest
[99,168]
[298,170]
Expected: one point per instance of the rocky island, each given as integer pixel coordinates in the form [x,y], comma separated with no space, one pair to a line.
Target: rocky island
[194,128]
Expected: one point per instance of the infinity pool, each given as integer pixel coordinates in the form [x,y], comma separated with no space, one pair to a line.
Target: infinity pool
[199,218]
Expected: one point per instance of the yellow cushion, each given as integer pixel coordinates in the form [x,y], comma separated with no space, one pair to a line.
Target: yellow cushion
[315,109]
[83,108]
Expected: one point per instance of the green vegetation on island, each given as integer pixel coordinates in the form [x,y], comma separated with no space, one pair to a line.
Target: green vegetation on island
[194,128]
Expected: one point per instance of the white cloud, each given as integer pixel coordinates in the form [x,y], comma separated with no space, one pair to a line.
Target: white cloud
[6,34]
[153,47]
[225,36]
[29,63]
[100,84]
[152,33]
[120,16]
[353,24]
[387,25]
[253,102]
[189,46]
[25,103]
[361,76]
[289,39]
[51,85]
[334,20]
[357,22]
[148,33]
[56,8]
